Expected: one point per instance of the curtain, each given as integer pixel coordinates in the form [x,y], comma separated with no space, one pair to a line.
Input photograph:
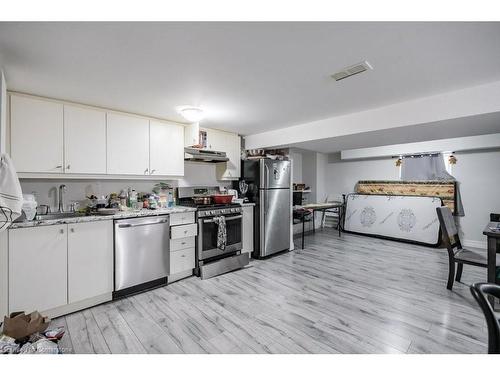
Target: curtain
[426,168]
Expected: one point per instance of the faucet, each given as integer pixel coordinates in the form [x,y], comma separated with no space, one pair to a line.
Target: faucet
[62,189]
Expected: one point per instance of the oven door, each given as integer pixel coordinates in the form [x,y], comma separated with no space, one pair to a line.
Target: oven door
[207,236]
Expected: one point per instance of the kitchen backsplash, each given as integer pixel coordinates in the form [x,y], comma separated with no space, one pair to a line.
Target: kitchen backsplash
[46,190]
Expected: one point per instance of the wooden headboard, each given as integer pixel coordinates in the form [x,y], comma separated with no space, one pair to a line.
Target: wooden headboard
[446,190]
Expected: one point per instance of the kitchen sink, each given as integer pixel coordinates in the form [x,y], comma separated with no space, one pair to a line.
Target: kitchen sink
[59,215]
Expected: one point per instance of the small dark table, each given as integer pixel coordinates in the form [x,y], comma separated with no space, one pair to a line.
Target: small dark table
[493,244]
[311,208]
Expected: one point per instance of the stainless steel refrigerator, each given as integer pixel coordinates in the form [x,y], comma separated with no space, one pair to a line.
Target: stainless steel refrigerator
[269,188]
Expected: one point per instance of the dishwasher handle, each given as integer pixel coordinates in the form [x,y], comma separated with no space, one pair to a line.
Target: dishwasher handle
[131,225]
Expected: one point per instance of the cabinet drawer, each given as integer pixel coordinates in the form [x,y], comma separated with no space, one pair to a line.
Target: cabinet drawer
[181,231]
[182,218]
[182,243]
[181,260]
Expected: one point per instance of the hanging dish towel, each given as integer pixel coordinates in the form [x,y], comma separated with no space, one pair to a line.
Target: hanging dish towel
[11,195]
[221,232]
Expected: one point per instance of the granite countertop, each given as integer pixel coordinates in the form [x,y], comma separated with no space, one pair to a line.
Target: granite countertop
[119,215]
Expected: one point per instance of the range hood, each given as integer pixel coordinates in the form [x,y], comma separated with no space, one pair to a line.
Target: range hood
[203,155]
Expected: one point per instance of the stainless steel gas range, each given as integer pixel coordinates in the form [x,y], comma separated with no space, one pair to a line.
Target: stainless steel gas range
[211,258]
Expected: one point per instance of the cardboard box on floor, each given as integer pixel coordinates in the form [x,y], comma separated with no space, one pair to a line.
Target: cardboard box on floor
[19,325]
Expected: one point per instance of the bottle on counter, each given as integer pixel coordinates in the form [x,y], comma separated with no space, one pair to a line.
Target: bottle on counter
[132,199]
[170,199]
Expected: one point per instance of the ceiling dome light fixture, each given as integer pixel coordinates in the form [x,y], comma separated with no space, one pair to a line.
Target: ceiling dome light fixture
[190,113]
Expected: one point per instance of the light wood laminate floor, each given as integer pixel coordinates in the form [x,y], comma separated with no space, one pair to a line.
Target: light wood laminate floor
[352,294]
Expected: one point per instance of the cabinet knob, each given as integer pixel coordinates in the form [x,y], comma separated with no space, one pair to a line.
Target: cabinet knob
[153,171]
[68,166]
[72,230]
[146,171]
[61,231]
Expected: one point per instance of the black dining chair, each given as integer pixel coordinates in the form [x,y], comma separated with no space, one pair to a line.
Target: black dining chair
[481,291]
[456,253]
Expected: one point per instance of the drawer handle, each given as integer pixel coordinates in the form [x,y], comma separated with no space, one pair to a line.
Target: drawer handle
[61,231]
[183,256]
[183,243]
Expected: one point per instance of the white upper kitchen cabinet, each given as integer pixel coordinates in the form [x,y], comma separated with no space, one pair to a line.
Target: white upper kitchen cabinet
[37,268]
[127,145]
[84,140]
[216,140]
[36,142]
[231,170]
[90,260]
[166,149]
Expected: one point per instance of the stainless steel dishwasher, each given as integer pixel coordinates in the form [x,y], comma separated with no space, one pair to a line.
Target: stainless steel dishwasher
[141,254]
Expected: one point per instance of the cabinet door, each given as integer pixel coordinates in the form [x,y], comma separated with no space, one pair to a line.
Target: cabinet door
[166,149]
[90,260]
[215,140]
[247,230]
[127,145]
[231,170]
[84,140]
[36,135]
[37,268]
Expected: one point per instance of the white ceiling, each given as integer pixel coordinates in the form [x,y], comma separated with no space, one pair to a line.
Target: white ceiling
[454,128]
[250,77]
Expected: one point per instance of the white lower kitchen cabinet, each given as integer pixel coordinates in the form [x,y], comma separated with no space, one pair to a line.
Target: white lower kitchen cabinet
[182,257]
[247,229]
[90,260]
[38,268]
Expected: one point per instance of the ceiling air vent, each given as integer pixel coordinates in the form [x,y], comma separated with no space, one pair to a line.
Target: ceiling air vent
[352,70]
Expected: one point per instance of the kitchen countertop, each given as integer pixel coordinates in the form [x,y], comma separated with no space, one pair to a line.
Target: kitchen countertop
[119,215]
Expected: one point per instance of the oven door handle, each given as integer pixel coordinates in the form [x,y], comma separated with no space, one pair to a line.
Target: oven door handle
[227,219]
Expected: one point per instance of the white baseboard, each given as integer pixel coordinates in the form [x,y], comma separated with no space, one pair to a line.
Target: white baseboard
[476,244]
[77,306]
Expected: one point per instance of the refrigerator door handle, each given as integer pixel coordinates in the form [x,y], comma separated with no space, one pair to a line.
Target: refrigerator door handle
[266,176]
[262,220]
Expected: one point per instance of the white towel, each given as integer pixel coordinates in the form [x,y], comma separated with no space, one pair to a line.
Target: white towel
[11,195]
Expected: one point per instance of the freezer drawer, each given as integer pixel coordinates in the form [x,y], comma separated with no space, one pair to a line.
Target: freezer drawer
[274,221]
[141,250]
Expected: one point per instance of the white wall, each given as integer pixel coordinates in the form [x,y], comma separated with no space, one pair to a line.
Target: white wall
[47,189]
[297,166]
[3,112]
[478,174]
[342,176]
[479,177]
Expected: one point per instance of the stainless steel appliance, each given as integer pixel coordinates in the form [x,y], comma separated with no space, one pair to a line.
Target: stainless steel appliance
[269,188]
[211,260]
[208,156]
[141,253]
